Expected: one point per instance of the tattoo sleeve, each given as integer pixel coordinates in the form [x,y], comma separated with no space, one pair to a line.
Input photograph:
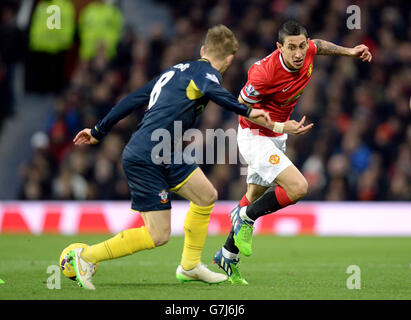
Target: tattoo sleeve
[330,49]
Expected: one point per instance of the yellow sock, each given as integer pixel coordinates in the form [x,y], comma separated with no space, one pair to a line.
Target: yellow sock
[122,244]
[195,230]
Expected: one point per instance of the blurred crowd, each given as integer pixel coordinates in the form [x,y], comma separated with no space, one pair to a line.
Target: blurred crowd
[359,148]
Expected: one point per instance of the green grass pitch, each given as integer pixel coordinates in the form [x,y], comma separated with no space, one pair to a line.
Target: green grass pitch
[301,267]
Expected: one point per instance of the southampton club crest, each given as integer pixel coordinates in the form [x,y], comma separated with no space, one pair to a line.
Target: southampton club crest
[163,196]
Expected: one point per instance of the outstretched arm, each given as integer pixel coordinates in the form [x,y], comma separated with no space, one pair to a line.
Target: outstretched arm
[136,99]
[291,126]
[330,49]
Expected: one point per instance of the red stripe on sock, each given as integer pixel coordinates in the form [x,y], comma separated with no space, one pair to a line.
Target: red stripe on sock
[282,197]
[244,202]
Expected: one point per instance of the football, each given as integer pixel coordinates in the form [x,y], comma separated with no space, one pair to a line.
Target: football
[65,267]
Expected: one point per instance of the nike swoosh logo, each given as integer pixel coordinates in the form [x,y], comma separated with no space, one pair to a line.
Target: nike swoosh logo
[83,273]
[195,276]
[284,90]
[80,269]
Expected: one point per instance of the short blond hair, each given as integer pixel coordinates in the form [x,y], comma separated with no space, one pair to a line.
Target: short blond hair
[220,42]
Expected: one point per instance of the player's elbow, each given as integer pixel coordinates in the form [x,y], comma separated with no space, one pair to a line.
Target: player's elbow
[241,100]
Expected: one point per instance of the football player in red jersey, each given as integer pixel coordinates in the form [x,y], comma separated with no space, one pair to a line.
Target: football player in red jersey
[274,84]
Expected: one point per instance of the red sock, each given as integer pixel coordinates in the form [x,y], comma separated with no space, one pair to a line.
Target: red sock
[244,202]
[282,197]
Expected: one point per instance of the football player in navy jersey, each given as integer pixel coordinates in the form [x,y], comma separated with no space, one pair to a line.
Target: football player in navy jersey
[180,93]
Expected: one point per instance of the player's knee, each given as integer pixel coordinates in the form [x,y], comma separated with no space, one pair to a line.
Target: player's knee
[208,198]
[212,197]
[298,190]
[160,238]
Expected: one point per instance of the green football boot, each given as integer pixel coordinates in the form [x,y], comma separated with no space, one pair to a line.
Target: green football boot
[243,232]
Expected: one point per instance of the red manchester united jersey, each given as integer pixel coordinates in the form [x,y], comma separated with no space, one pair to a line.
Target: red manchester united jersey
[275,88]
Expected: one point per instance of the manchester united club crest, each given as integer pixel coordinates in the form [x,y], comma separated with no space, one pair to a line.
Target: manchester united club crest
[310,69]
[163,196]
[274,159]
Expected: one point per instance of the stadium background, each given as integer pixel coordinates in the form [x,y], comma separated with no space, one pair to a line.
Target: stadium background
[358,152]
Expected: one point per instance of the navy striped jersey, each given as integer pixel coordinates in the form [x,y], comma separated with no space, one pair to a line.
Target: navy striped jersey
[180,93]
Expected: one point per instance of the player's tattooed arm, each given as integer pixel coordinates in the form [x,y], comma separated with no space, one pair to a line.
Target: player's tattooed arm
[330,49]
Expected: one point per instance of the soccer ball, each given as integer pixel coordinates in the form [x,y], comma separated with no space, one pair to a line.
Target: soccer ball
[65,267]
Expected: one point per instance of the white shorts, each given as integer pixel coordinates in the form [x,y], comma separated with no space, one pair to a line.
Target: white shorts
[264,155]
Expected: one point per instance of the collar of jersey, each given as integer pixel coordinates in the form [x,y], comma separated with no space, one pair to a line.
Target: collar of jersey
[208,61]
[204,59]
[284,66]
